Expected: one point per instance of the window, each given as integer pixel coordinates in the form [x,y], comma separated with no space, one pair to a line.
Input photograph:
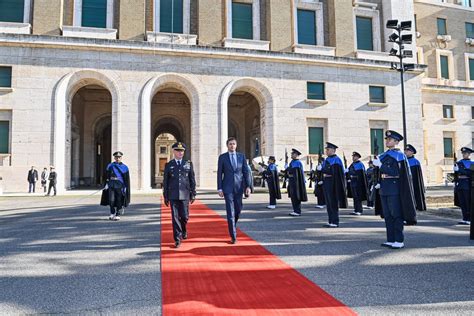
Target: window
[448,111]
[306,27]
[364,33]
[376,141]
[442,27]
[171,16]
[316,140]
[444,66]
[471,69]
[472,140]
[163,150]
[472,112]
[12,10]
[469,30]
[5,77]
[94,13]
[316,91]
[376,94]
[4,137]
[242,25]
[467,3]
[448,147]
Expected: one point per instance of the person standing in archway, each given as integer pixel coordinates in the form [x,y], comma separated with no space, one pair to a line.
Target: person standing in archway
[179,189]
[233,179]
[116,193]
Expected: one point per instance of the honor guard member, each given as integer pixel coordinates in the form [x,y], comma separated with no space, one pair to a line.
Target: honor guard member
[396,191]
[296,183]
[273,181]
[357,180]
[334,185]
[417,176]
[462,185]
[116,191]
[179,188]
[370,182]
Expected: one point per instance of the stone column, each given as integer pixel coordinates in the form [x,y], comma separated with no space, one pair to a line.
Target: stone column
[341,26]
[47,17]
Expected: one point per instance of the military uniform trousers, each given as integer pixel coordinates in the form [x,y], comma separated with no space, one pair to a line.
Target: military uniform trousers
[115,196]
[332,204]
[392,212]
[180,217]
[464,197]
[356,197]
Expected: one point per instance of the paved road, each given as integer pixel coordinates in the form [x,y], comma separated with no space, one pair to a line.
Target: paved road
[60,255]
[60,260]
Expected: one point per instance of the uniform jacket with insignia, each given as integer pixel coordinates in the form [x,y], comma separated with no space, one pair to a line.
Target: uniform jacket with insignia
[178,181]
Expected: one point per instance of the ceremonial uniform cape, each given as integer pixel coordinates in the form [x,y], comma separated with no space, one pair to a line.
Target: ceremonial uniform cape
[407,198]
[338,188]
[296,181]
[120,171]
[358,182]
[418,183]
[273,180]
[465,170]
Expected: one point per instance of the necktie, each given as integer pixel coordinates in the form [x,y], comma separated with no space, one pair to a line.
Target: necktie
[234,161]
[179,163]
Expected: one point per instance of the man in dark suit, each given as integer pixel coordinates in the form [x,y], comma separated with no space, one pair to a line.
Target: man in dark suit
[32,178]
[233,179]
[179,187]
[52,180]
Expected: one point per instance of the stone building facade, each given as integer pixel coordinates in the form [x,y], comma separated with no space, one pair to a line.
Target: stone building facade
[276,74]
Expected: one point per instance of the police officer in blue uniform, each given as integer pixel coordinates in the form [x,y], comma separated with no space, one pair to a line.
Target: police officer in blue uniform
[116,191]
[271,176]
[179,189]
[396,191]
[334,185]
[417,177]
[357,180]
[462,185]
[296,183]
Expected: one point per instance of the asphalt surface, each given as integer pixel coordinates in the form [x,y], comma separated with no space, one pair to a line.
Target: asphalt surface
[62,256]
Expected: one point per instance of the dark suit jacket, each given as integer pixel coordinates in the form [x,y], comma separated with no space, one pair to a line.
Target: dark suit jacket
[231,180]
[179,182]
[32,176]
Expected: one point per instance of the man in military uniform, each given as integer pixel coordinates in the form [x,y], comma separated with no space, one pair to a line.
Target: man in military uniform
[334,185]
[371,181]
[273,181]
[357,181]
[462,185]
[116,192]
[396,191]
[296,183]
[179,189]
[417,176]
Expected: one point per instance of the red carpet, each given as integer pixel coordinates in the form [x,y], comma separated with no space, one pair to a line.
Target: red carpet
[209,276]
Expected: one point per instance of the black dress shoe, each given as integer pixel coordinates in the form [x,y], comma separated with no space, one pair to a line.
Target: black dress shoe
[233,241]
[177,243]
[185,235]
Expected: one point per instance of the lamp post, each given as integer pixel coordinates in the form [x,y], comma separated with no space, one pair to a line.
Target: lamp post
[400,52]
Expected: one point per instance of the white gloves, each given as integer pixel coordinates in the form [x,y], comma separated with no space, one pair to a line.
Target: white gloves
[320,183]
[346,170]
[319,168]
[348,181]
[106,187]
[377,163]
[377,186]
[456,168]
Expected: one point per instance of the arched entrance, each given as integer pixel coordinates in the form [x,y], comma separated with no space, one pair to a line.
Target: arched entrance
[246,108]
[245,125]
[74,134]
[171,121]
[91,136]
[169,105]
